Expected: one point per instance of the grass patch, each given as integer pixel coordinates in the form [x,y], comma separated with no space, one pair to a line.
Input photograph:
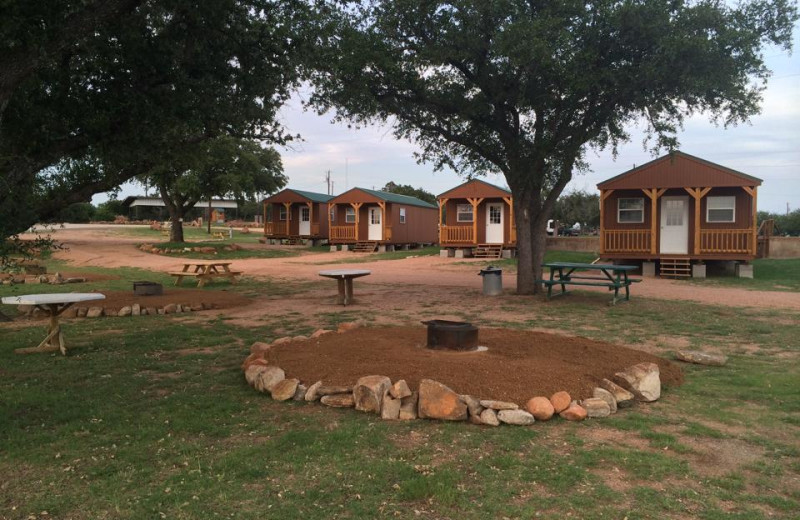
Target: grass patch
[390,255]
[191,234]
[769,274]
[510,264]
[183,250]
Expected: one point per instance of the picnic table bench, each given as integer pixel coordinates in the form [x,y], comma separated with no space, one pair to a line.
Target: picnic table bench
[615,277]
[205,271]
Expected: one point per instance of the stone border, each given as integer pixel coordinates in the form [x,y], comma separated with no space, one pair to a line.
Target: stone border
[52,279]
[432,400]
[128,310]
[208,250]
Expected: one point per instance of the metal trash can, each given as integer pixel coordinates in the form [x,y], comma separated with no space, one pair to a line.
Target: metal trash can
[492,281]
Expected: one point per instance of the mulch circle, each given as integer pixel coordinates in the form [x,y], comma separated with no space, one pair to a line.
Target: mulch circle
[517,365]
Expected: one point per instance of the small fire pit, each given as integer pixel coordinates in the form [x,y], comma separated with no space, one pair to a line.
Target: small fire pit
[451,335]
[147,289]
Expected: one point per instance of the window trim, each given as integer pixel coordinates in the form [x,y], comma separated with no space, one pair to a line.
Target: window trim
[732,208]
[459,212]
[402,215]
[620,210]
[348,212]
[282,213]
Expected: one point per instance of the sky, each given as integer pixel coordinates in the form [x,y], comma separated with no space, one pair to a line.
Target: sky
[767,147]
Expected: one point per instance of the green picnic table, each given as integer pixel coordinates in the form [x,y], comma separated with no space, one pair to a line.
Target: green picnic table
[615,277]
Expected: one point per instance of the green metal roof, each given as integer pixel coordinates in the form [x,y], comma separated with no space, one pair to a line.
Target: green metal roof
[398,199]
[316,197]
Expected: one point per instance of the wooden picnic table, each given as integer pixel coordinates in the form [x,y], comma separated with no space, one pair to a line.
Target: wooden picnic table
[54,305]
[615,277]
[205,271]
[345,277]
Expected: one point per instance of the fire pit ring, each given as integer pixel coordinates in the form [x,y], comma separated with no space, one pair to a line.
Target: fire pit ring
[451,335]
[147,289]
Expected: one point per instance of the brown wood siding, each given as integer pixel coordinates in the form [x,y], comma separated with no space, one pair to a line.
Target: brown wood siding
[354,195]
[743,213]
[677,172]
[610,210]
[451,216]
[421,225]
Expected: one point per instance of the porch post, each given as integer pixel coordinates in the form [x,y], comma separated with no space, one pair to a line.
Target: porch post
[510,202]
[288,206]
[310,218]
[330,223]
[604,194]
[697,194]
[475,203]
[654,194]
[754,225]
[357,206]
[442,236]
[382,205]
[264,207]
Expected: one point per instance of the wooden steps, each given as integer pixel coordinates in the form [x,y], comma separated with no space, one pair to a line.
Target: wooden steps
[675,267]
[488,251]
[365,247]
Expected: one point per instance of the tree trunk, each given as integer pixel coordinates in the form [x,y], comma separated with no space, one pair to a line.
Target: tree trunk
[526,280]
[176,227]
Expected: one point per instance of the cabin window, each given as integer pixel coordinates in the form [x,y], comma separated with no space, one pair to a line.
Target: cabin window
[333,213]
[402,215]
[630,211]
[350,215]
[464,212]
[282,212]
[721,209]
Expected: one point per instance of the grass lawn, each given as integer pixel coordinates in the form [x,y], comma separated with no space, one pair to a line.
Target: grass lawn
[769,274]
[354,258]
[178,249]
[510,264]
[150,417]
[191,234]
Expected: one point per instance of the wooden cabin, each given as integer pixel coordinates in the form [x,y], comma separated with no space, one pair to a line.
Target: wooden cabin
[370,220]
[293,215]
[479,216]
[677,210]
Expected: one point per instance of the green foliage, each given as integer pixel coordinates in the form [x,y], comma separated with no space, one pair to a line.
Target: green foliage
[580,207]
[786,224]
[109,210]
[526,87]
[80,212]
[95,93]
[407,189]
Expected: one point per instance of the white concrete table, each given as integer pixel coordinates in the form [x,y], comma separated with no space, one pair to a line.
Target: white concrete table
[53,305]
[345,278]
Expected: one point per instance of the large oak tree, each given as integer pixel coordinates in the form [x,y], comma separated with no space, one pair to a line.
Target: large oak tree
[93,93]
[527,86]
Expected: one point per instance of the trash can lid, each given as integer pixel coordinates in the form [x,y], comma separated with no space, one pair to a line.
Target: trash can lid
[491,270]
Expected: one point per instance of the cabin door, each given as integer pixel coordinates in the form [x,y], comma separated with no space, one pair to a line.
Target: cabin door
[305,221]
[375,228]
[494,223]
[674,225]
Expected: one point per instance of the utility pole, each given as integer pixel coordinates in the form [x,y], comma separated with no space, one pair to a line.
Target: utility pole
[328,180]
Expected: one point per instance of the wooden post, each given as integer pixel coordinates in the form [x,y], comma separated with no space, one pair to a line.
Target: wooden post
[382,205]
[654,195]
[604,194]
[357,207]
[330,220]
[442,237]
[288,206]
[310,218]
[697,194]
[754,225]
[475,203]
[510,202]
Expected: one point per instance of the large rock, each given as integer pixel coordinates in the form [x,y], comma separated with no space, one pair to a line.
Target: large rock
[268,378]
[498,405]
[284,390]
[400,389]
[338,400]
[390,409]
[259,347]
[575,412]
[437,401]
[642,380]
[300,393]
[252,373]
[560,401]
[489,417]
[540,408]
[608,397]
[125,311]
[82,312]
[136,310]
[596,407]
[333,389]
[516,417]
[701,358]
[312,394]
[94,312]
[408,407]
[170,308]
[369,392]
[623,398]
[250,359]
[473,405]
[320,332]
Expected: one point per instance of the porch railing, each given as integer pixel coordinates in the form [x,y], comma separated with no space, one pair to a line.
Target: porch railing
[343,232]
[626,241]
[457,234]
[726,241]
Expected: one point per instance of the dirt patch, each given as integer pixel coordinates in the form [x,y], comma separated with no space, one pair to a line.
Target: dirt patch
[517,366]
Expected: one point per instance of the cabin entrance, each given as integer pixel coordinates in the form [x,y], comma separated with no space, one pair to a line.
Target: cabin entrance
[375,229]
[494,223]
[674,225]
[305,221]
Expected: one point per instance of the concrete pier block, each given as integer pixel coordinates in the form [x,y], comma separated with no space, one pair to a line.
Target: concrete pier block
[649,269]
[382,248]
[444,253]
[698,270]
[744,270]
[345,247]
[334,248]
[390,247]
[508,253]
